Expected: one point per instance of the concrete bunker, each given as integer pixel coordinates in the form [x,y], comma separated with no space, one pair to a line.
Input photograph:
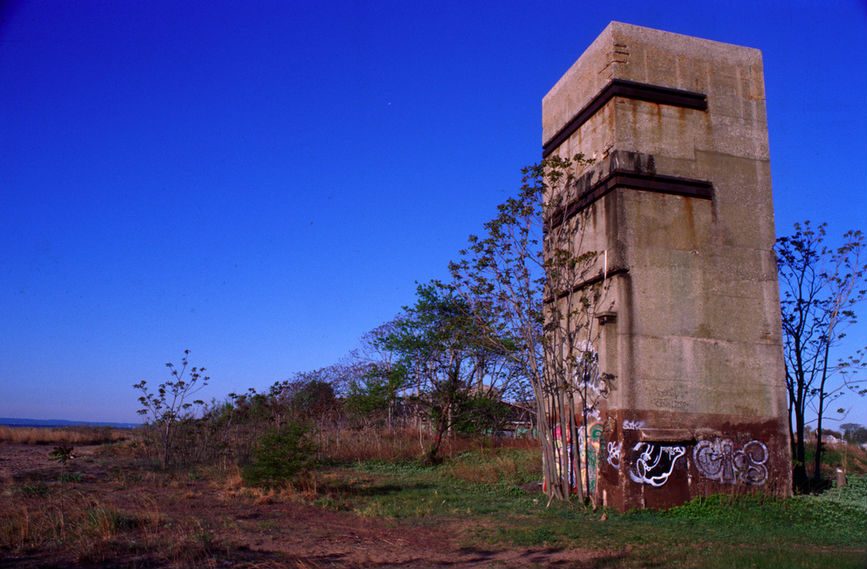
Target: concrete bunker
[678,204]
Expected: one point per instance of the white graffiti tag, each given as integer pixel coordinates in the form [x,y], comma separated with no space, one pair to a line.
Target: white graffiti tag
[720,460]
[613,451]
[655,463]
[632,425]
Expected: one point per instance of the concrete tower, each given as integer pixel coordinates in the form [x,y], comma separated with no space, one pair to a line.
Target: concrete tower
[679,200]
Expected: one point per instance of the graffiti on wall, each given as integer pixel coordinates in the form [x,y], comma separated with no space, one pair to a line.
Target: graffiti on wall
[559,450]
[612,449]
[655,463]
[721,460]
[589,454]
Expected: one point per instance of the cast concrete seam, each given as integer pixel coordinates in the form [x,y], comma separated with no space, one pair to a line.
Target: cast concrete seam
[627,90]
[661,184]
[586,283]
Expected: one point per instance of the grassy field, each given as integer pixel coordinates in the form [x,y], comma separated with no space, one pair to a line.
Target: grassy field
[720,531]
[480,508]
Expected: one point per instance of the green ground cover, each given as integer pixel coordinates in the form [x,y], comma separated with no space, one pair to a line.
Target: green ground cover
[485,487]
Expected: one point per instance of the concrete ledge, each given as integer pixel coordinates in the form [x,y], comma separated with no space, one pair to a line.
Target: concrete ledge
[632,170]
[666,435]
[627,90]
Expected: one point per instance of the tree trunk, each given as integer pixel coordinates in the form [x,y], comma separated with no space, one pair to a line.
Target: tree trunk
[799,475]
[431,457]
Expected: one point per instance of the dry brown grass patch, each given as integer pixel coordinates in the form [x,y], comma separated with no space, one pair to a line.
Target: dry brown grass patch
[67,435]
[402,444]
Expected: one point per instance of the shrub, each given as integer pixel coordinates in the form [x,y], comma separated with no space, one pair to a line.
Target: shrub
[279,455]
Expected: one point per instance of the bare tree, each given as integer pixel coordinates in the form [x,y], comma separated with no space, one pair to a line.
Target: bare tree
[820,287]
[169,405]
[535,290]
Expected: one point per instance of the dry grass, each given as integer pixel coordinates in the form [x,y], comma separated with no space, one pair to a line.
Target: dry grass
[69,519]
[86,528]
[516,466]
[848,457]
[120,512]
[346,445]
[401,444]
[68,435]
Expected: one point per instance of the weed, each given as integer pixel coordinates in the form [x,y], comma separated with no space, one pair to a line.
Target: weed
[35,490]
[105,522]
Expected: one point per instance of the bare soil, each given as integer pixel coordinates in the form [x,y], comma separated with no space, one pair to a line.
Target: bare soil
[206,521]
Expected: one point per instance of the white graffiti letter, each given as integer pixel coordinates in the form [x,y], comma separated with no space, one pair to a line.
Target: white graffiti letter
[720,460]
[750,463]
[655,463]
[613,451]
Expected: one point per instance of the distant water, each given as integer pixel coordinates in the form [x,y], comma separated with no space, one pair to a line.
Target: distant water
[7,422]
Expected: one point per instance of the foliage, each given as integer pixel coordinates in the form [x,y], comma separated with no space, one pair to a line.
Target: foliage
[169,406]
[481,413]
[312,398]
[227,431]
[307,395]
[854,433]
[820,286]
[61,454]
[376,383]
[844,508]
[279,455]
[437,347]
[373,397]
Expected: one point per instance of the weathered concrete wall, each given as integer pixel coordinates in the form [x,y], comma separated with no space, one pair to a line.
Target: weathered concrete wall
[680,199]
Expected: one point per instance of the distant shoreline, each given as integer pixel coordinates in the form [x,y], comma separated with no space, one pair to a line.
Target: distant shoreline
[10,422]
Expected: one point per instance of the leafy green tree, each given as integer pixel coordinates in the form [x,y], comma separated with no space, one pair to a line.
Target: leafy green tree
[482,413]
[373,397]
[820,286]
[377,380]
[312,398]
[436,342]
[854,433]
[169,405]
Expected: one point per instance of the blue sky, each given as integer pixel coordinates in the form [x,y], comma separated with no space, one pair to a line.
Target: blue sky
[264,182]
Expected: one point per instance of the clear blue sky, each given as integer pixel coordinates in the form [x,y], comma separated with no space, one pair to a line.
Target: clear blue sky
[263,182]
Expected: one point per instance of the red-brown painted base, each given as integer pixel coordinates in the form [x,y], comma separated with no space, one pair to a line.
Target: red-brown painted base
[660,460]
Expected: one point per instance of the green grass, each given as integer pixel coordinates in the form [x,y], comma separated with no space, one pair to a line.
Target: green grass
[823,531]
[407,490]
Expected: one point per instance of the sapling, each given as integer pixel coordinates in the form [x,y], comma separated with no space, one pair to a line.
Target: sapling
[169,404]
[61,454]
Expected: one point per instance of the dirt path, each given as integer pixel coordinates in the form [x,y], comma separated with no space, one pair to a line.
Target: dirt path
[249,533]
[309,536]
[314,537]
